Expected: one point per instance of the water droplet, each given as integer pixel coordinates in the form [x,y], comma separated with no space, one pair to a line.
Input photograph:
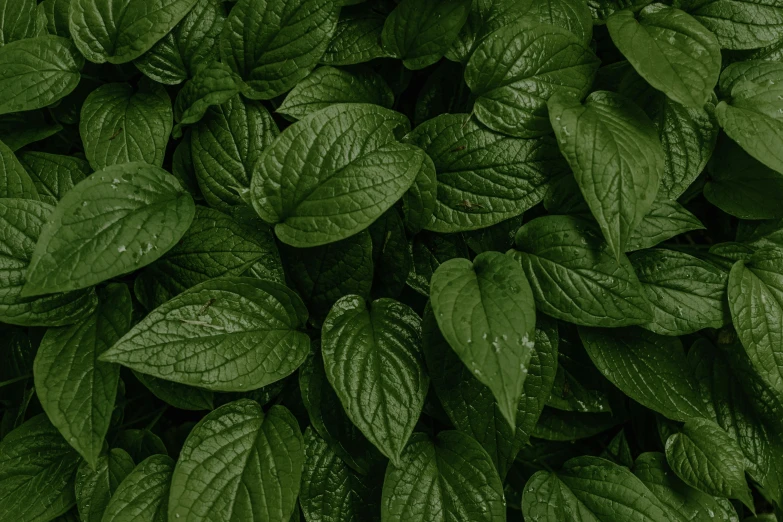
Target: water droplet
[121,249]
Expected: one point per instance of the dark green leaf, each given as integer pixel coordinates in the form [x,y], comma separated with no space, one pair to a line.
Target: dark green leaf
[94,487]
[144,494]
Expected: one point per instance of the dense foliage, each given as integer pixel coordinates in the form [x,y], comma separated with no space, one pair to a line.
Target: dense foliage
[391,260]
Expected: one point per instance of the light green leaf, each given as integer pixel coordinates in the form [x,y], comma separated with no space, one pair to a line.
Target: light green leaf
[372,357]
[224,145]
[17,20]
[575,277]
[121,31]
[239,464]
[36,72]
[420,33]
[756,303]
[512,79]
[450,478]
[77,391]
[357,38]
[120,125]
[331,491]
[665,220]
[327,85]
[215,245]
[37,469]
[686,293]
[215,84]
[52,174]
[739,24]
[671,50]
[227,334]
[144,494]
[592,489]
[706,458]
[483,177]
[616,157]
[470,405]
[272,44]
[333,173]
[114,222]
[94,487]
[192,44]
[649,368]
[21,222]
[486,312]
[15,182]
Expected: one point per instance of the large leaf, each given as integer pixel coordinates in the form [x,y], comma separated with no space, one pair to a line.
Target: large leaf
[649,368]
[333,173]
[118,31]
[486,312]
[575,277]
[671,50]
[94,487]
[227,334]
[37,473]
[756,302]
[36,72]
[272,44]
[114,222]
[617,159]
[239,464]
[144,494]
[739,24]
[449,479]
[22,221]
[119,125]
[420,33]
[686,293]
[512,77]
[372,357]
[77,391]
[483,177]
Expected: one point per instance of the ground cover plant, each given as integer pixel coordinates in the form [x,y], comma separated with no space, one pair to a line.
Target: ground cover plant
[391,260]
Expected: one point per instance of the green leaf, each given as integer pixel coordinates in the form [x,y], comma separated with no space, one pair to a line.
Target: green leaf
[49,63]
[77,391]
[144,494]
[115,221]
[333,173]
[486,312]
[671,50]
[420,33]
[739,24]
[450,478]
[331,491]
[483,177]
[750,114]
[576,278]
[121,31]
[94,487]
[498,237]
[17,21]
[442,94]
[215,84]
[418,204]
[52,174]
[119,125]
[373,359]
[616,157]
[756,303]
[140,444]
[357,38]
[742,186]
[224,145]
[511,77]
[37,469]
[470,405]
[485,17]
[686,293]
[567,426]
[215,245]
[22,221]
[429,251]
[324,274]
[392,258]
[706,458]
[327,85]
[178,395]
[592,489]
[57,16]
[192,44]
[649,368]
[227,334]
[272,44]
[15,182]
[18,129]
[239,464]
[665,220]
[573,15]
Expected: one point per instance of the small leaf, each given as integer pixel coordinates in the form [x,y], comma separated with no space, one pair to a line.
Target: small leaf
[94,487]
[144,494]
[215,84]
